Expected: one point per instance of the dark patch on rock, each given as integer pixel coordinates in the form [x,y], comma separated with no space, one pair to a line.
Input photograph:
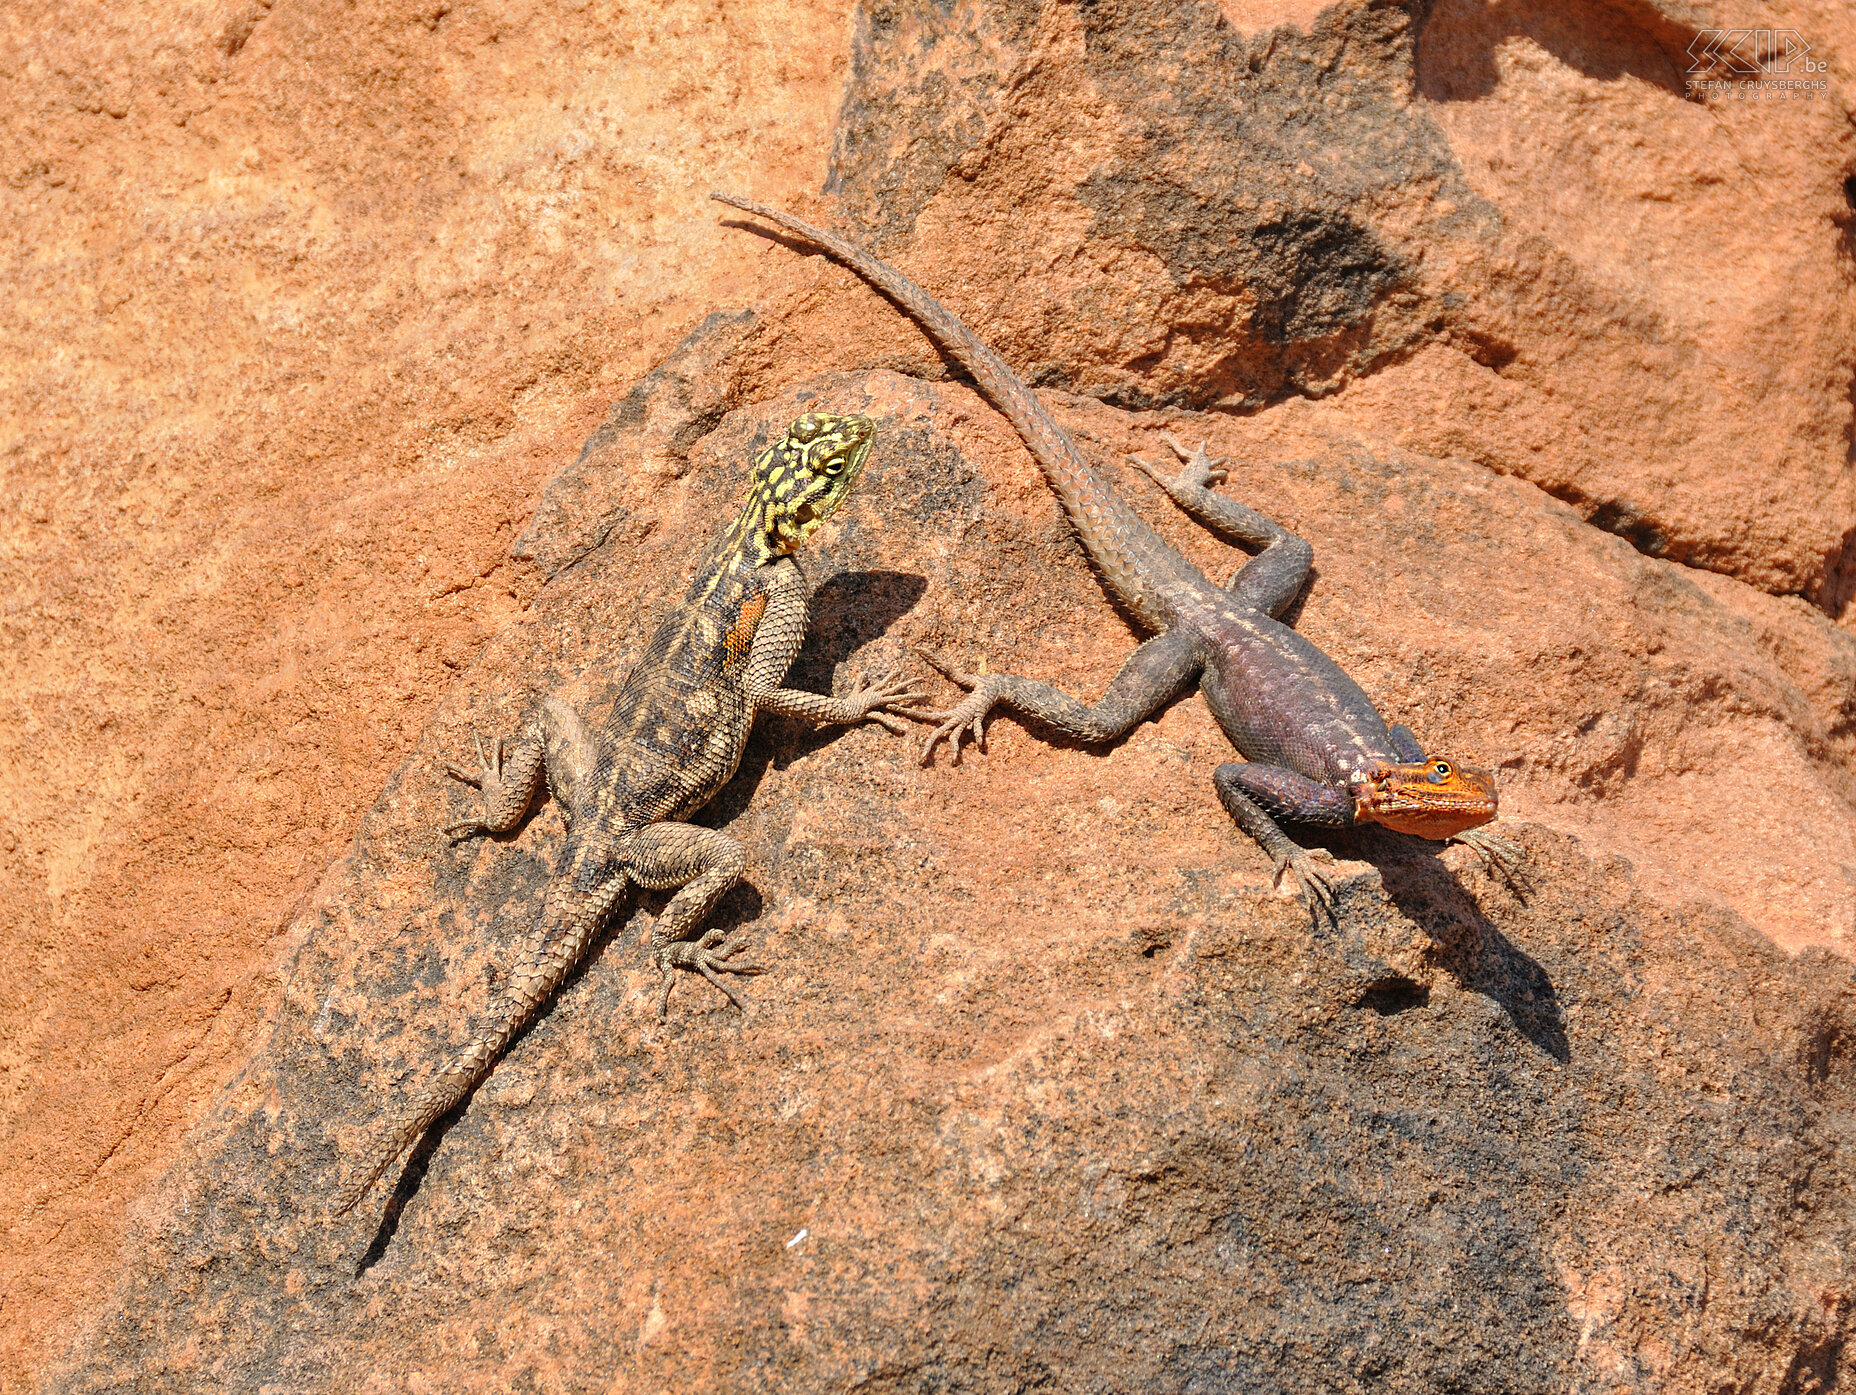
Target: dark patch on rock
[1629,521]
[925,85]
[1395,995]
[1603,39]
[1141,1125]
[1252,173]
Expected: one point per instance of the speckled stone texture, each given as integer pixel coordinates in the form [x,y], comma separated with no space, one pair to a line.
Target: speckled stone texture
[375,373]
[1046,1087]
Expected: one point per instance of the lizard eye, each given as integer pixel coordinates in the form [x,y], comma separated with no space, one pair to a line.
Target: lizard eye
[1440,771]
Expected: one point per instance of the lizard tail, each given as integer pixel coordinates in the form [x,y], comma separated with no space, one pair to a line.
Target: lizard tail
[566,931]
[1114,534]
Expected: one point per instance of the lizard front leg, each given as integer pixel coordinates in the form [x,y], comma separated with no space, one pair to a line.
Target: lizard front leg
[870,700]
[782,629]
[1251,793]
[1155,674]
[703,864]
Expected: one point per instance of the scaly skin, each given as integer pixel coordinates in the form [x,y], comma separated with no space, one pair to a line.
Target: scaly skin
[1316,749]
[675,737]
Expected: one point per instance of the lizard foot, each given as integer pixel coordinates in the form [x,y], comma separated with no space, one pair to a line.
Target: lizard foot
[882,700]
[1199,470]
[1198,464]
[1497,854]
[966,717]
[1314,885]
[489,779]
[712,952]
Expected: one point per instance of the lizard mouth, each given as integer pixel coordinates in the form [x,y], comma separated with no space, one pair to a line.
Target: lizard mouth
[1418,799]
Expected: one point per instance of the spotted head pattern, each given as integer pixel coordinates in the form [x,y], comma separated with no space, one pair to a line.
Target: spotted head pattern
[802,478]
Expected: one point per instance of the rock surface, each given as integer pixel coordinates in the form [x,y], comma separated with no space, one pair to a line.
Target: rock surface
[303,305]
[1512,225]
[1059,1093]
[1065,1097]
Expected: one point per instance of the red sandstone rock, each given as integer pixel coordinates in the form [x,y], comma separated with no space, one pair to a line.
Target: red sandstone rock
[1057,1090]
[1642,302]
[1046,1085]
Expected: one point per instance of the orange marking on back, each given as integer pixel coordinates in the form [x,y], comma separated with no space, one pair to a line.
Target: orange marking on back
[741,637]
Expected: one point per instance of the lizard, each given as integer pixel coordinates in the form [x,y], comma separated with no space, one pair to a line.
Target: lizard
[674,737]
[1316,750]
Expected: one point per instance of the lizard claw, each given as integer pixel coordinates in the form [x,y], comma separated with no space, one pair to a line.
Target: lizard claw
[948,671]
[1150,471]
[713,951]
[1199,472]
[489,779]
[966,717]
[1199,467]
[1498,855]
[882,695]
[1314,885]
[489,766]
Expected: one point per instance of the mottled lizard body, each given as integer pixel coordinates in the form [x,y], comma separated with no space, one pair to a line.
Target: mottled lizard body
[674,737]
[1316,749]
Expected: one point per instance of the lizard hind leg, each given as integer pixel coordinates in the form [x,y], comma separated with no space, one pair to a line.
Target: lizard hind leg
[703,864]
[1271,579]
[1151,677]
[555,744]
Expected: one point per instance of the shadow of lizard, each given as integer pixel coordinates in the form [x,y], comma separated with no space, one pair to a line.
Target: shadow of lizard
[1469,946]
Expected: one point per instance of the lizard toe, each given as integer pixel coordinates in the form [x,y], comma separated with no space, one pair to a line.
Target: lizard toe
[1313,885]
[947,670]
[714,952]
[967,719]
[1499,856]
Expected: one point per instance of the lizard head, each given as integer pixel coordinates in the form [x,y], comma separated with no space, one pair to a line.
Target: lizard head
[800,479]
[1432,798]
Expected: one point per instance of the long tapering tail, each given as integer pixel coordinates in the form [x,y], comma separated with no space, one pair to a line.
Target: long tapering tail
[568,926]
[1127,552]
[457,1080]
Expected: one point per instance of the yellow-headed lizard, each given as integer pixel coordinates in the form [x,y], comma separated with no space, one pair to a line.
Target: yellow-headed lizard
[674,737]
[1316,751]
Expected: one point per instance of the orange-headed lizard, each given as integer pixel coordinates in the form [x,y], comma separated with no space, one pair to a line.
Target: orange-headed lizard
[1316,751]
